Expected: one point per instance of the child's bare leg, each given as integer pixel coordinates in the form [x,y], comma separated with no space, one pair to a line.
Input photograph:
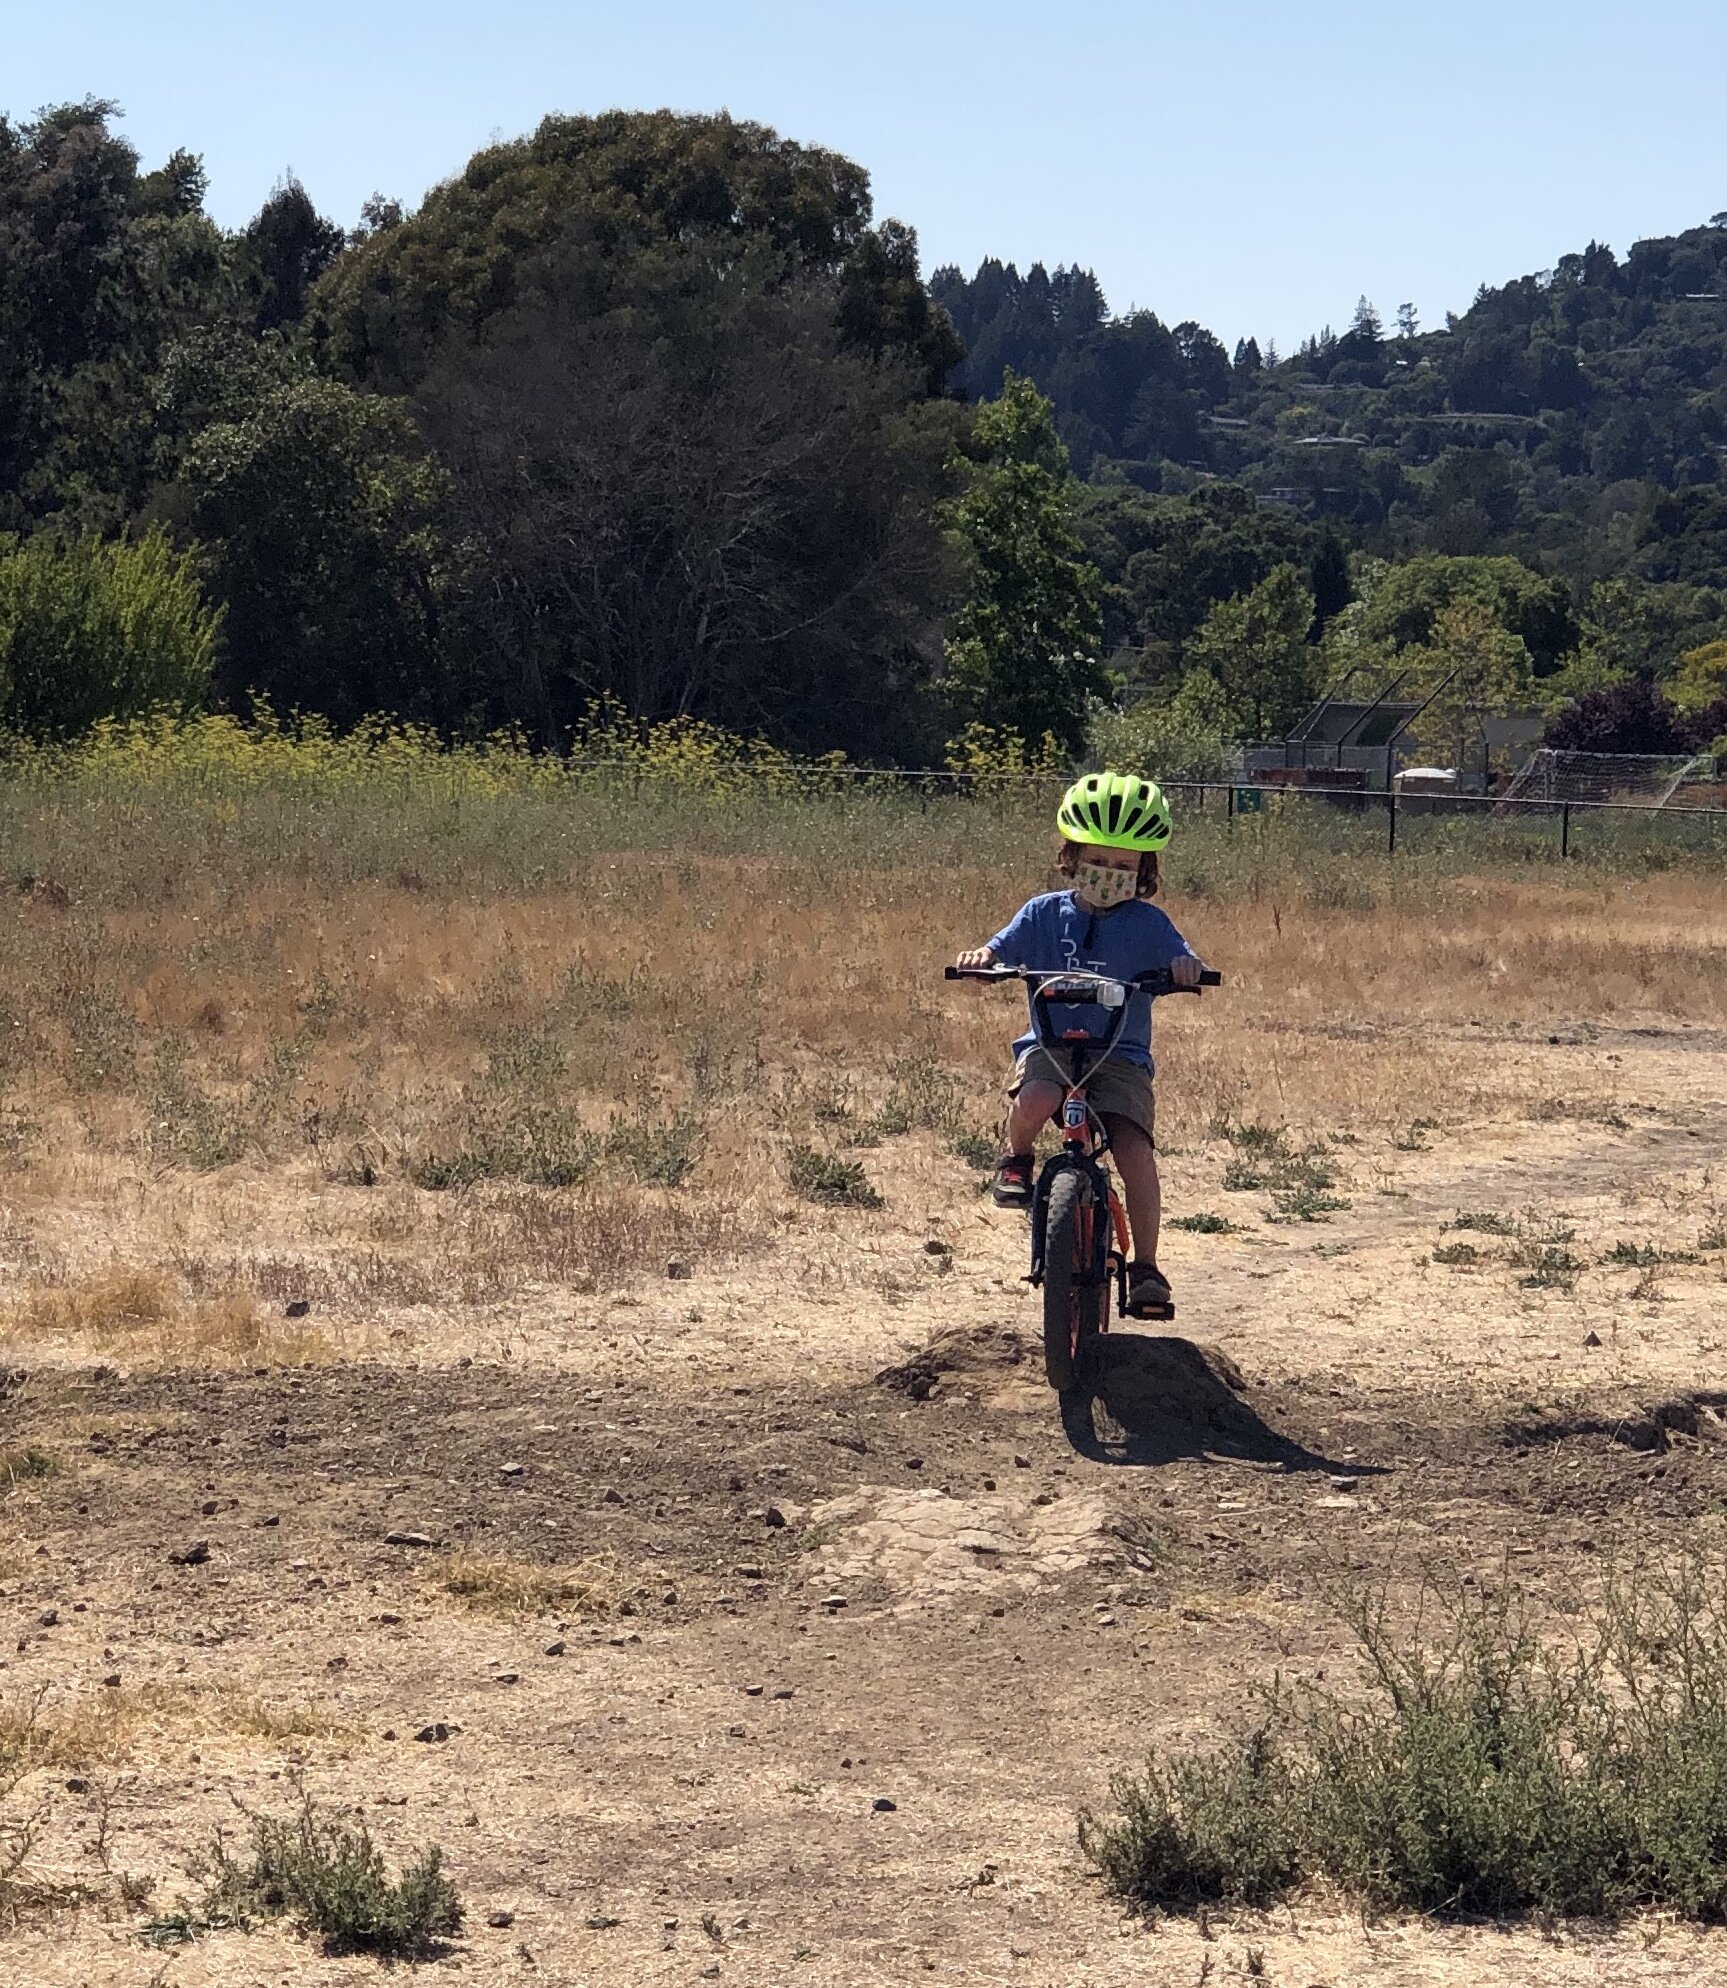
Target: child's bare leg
[1030,1111]
[1140,1188]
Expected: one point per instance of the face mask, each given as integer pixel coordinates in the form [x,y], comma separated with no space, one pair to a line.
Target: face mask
[1102,887]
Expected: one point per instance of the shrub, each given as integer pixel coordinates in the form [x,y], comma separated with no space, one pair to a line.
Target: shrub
[1299,1182]
[1305,1202]
[1545,1267]
[976,1149]
[507,1139]
[820,1177]
[1482,1222]
[91,631]
[330,1876]
[663,1153]
[1184,736]
[18,1466]
[1486,1771]
[1202,1826]
[1645,1256]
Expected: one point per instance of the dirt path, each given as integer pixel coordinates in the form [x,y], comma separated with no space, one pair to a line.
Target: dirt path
[831,1592]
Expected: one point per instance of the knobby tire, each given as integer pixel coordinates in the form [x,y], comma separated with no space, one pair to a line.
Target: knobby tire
[1073,1309]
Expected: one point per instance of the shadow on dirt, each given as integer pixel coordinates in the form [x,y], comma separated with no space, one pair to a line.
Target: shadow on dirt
[1150,1400]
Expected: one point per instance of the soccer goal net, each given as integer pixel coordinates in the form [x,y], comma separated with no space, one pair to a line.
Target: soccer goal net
[1635,779]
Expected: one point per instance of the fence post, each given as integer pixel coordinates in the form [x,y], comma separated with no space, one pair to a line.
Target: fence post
[1391,819]
[1564,830]
[1229,806]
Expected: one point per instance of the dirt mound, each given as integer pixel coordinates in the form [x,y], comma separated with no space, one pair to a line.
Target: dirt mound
[991,1348]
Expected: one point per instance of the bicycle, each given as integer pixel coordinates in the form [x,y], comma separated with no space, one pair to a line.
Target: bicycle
[1079,1234]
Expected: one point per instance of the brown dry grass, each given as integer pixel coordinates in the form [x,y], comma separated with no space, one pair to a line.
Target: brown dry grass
[143,1312]
[497,1585]
[109,1727]
[464,1098]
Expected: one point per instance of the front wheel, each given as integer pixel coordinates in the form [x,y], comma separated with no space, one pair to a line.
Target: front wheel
[1075,1297]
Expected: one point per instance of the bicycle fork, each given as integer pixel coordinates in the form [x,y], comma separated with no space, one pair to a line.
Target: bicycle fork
[1109,1240]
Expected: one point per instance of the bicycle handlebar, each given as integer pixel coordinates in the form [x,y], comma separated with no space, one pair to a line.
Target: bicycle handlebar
[1158,980]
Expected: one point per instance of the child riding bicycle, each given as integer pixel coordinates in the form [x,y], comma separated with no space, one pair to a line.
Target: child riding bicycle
[1113,825]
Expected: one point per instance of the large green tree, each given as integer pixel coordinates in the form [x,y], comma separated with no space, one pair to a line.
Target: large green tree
[323,511]
[737,523]
[1409,601]
[102,268]
[615,212]
[1472,668]
[1256,647]
[688,397]
[284,251]
[1022,650]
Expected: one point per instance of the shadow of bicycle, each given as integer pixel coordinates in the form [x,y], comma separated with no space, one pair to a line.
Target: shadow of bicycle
[1149,1400]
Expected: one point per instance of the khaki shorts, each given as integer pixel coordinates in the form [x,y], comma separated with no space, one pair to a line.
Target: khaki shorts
[1116,1089]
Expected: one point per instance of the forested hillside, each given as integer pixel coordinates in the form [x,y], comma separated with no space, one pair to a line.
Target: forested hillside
[651,411]
[1556,411]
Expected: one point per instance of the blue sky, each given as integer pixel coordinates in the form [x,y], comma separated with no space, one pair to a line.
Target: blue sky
[1251,166]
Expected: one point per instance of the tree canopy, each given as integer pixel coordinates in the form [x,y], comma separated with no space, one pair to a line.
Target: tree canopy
[1023,647]
[653,408]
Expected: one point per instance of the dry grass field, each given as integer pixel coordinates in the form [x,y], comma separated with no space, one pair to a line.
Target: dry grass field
[434,1380]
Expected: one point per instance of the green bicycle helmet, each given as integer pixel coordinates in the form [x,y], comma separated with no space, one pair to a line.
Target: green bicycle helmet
[1115,811]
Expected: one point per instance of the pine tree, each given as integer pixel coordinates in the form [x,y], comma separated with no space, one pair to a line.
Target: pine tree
[1365,328]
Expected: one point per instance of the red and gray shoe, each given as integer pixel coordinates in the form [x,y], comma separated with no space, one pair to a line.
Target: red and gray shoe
[1012,1187]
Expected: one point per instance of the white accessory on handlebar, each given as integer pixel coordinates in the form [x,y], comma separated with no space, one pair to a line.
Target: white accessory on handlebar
[1105,993]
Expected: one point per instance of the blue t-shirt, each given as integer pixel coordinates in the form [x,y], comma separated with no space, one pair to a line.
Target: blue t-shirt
[1055,933]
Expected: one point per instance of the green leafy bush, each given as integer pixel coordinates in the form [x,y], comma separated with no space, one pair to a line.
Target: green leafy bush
[330,1877]
[1187,735]
[507,1139]
[662,1152]
[1488,1771]
[820,1177]
[976,1149]
[1483,1224]
[1545,1267]
[92,630]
